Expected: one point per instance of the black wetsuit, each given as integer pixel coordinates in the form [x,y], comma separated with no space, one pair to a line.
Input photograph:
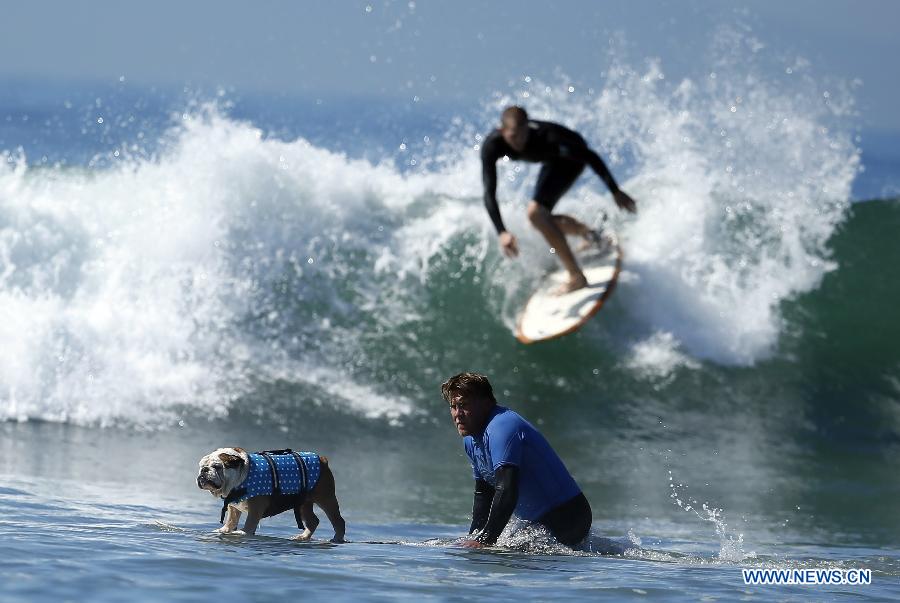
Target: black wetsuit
[563,152]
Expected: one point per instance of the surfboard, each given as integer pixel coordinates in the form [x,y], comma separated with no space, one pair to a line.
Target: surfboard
[548,316]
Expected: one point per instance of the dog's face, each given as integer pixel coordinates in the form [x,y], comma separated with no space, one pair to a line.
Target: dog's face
[222,470]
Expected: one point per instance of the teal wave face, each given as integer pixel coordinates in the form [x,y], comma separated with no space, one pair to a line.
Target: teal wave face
[843,337]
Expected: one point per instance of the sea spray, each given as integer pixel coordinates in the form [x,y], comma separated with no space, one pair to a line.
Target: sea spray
[741,173]
[731,546]
[131,291]
[180,280]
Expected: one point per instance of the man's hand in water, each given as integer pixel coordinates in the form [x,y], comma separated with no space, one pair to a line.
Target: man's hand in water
[624,201]
[509,244]
[472,544]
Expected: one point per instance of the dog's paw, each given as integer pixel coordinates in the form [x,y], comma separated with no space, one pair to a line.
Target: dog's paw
[337,540]
[302,536]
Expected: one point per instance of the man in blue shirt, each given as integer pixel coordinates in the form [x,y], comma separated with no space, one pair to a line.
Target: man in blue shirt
[515,469]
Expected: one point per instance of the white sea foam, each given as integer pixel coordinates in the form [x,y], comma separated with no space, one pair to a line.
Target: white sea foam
[658,356]
[741,177]
[129,291]
[122,290]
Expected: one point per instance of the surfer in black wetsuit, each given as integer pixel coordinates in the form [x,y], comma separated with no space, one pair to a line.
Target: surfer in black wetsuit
[564,154]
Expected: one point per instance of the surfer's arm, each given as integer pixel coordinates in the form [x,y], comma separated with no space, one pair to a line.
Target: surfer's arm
[489,178]
[481,506]
[589,156]
[503,503]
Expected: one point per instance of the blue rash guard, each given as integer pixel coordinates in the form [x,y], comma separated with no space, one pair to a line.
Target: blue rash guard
[508,439]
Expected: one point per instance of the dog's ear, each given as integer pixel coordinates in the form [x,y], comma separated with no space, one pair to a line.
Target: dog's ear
[231,460]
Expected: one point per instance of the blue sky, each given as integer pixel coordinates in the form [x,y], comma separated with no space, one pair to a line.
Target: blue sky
[448,51]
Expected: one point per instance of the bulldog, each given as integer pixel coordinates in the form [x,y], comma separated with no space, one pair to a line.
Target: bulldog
[263,484]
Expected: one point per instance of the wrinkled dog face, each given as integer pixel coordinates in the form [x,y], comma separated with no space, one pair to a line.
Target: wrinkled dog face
[222,470]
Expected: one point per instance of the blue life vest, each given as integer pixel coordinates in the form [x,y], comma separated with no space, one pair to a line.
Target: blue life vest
[283,474]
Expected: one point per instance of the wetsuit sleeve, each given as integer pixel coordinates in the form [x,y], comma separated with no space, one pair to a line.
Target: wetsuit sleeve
[489,159]
[503,503]
[481,506]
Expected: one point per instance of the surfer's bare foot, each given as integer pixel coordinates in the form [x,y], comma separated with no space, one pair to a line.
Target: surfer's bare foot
[573,284]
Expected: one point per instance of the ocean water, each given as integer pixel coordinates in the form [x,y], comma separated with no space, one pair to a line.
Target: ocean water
[182,270]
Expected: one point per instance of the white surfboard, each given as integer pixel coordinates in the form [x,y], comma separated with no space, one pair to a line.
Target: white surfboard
[548,316]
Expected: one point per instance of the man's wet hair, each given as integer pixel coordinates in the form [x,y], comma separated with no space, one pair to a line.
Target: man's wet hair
[468,385]
[516,113]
